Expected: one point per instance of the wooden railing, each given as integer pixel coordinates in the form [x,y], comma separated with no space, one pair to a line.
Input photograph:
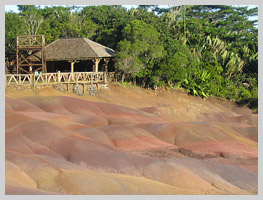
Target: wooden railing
[31,41]
[53,78]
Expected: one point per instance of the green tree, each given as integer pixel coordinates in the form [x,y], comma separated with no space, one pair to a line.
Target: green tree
[14,25]
[33,23]
[26,8]
[141,46]
[110,20]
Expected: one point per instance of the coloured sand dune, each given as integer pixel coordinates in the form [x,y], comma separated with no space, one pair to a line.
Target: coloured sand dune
[123,143]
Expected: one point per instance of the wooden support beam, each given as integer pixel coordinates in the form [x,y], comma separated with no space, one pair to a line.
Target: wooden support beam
[34,84]
[32,64]
[72,63]
[84,88]
[28,57]
[43,54]
[38,69]
[72,66]
[106,60]
[21,69]
[30,68]
[96,67]
[26,60]
[97,64]
[17,60]
[59,78]
[19,79]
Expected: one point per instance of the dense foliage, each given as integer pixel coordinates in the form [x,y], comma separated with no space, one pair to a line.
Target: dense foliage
[208,50]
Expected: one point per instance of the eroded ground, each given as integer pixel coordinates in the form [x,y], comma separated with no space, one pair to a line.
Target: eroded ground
[128,141]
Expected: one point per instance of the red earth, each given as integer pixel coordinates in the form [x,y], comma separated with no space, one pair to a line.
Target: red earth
[128,141]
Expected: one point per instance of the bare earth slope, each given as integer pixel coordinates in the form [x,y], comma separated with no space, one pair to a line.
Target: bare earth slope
[128,141]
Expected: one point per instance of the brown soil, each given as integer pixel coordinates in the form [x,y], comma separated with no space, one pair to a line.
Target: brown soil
[128,141]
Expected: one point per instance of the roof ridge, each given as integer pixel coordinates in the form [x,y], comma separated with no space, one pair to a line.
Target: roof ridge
[52,42]
[90,46]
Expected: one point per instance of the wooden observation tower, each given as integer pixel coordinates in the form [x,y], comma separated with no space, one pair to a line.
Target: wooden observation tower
[31,54]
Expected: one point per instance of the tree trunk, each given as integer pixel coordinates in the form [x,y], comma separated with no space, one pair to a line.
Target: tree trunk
[144,82]
[122,78]
[134,80]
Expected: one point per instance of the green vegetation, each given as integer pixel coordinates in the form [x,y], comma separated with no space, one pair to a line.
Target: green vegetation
[208,50]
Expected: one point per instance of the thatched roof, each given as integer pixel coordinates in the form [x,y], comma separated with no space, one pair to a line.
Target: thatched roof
[76,49]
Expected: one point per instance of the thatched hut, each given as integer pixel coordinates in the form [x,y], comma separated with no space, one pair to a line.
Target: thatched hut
[63,51]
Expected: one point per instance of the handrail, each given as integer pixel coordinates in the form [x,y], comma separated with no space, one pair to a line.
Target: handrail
[59,77]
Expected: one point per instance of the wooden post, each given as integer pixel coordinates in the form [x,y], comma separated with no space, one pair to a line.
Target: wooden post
[96,61]
[72,66]
[30,68]
[34,84]
[43,54]
[17,60]
[106,60]
[58,76]
[105,77]
[97,64]
[19,79]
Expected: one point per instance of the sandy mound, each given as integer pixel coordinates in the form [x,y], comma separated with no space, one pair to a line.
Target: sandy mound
[128,141]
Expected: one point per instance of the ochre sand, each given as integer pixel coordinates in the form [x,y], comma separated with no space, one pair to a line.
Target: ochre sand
[128,141]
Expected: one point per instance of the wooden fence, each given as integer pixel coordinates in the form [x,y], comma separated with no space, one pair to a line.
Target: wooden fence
[56,78]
